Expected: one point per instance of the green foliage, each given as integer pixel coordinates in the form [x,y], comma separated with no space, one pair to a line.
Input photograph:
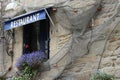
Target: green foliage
[102,76]
[24,77]
[28,73]
[27,70]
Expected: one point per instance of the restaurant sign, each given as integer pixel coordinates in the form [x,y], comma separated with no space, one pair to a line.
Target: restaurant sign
[24,19]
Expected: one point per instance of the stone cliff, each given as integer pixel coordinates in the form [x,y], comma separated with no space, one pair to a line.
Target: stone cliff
[83,33]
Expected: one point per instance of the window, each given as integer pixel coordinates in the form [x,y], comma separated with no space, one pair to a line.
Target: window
[36,37]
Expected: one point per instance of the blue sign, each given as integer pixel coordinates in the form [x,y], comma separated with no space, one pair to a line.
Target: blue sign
[24,19]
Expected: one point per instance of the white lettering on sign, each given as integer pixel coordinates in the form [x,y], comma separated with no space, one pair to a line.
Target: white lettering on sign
[25,20]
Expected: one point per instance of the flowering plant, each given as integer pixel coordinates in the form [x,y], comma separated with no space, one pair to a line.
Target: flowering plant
[32,60]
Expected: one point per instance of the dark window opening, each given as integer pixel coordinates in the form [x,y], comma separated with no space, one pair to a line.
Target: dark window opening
[36,37]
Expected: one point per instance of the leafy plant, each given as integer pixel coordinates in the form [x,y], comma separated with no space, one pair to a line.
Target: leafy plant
[27,64]
[102,76]
[25,77]
[27,74]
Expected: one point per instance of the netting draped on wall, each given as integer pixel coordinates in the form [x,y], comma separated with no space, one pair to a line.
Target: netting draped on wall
[77,27]
[74,19]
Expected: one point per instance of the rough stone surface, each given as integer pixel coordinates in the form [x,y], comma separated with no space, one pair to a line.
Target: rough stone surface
[110,62]
[71,38]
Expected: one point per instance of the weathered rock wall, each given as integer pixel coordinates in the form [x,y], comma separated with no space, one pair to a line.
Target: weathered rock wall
[5,60]
[68,25]
[106,21]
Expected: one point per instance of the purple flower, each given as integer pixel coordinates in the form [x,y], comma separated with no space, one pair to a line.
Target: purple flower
[42,54]
[32,59]
[21,61]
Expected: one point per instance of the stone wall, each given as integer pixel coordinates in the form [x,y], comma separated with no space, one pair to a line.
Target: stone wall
[18,41]
[69,25]
[18,46]
[4,58]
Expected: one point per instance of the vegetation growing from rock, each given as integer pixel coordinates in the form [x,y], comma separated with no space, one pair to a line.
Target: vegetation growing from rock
[28,65]
[27,74]
[102,76]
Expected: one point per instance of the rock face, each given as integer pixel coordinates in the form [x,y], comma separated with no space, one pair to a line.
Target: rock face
[85,28]
[106,25]
[111,60]
[67,28]
[70,23]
